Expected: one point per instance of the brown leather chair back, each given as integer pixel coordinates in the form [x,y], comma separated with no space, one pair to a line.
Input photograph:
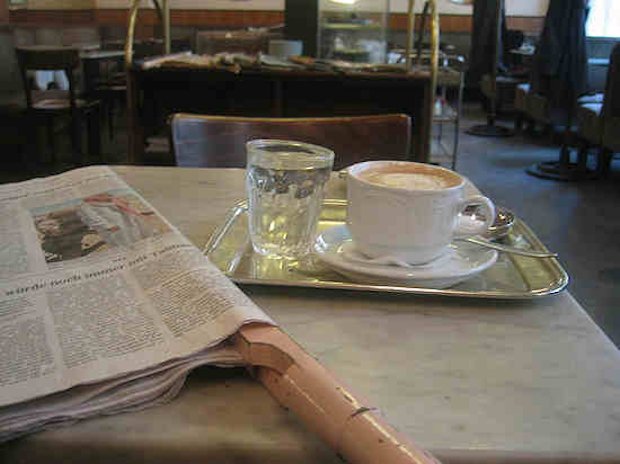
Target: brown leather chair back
[219,141]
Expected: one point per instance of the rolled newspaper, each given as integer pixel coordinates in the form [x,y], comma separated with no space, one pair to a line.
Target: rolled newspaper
[354,429]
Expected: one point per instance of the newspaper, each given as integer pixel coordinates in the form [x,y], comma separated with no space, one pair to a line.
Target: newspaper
[104,305]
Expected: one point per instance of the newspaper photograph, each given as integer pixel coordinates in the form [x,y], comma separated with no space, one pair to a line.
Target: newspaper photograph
[82,226]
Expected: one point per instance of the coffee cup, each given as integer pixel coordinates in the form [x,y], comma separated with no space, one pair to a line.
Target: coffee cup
[410,212]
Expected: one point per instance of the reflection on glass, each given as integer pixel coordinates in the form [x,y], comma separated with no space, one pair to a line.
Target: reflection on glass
[353,30]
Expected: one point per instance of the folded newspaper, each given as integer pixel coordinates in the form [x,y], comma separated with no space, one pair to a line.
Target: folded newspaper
[104,306]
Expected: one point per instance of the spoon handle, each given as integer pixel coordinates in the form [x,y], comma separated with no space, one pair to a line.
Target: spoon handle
[510,249]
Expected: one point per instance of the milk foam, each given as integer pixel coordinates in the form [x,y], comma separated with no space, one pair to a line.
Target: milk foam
[408,180]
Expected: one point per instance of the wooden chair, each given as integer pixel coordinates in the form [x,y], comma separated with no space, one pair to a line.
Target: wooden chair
[610,143]
[106,81]
[219,141]
[49,106]
[598,123]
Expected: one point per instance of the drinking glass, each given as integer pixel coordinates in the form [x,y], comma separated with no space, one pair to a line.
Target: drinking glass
[284,183]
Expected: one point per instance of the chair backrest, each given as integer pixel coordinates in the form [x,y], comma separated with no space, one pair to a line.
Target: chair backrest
[219,141]
[611,102]
[36,58]
[10,80]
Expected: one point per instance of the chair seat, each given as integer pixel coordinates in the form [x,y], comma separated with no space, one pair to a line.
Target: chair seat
[537,107]
[59,104]
[112,88]
[589,122]
[520,96]
[508,80]
[593,98]
[524,87]
[502,88]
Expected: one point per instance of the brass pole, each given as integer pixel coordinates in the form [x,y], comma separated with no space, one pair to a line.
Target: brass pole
[434,59]
[166,20]
[410,27]
[434,44]
[131,110]
[131,27]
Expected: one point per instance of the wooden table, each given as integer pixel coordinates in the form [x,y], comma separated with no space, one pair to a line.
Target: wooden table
[473,381]
[276,93]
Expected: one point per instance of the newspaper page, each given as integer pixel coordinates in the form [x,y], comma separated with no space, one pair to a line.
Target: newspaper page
[95,284]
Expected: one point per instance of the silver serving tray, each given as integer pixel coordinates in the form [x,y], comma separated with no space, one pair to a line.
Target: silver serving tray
[511,277]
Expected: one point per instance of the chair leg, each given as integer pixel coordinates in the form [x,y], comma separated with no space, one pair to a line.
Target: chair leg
[582,159]
[519,122]
[32,142]
[51,139]
[604,161]
[94,134]
[530,127]
[76,140]
[110,104]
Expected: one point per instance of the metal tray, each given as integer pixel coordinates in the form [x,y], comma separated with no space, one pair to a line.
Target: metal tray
[511,277]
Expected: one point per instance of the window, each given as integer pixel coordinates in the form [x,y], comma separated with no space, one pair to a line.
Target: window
[604,18]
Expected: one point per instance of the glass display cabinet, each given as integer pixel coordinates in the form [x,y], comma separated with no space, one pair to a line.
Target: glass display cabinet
[353,30]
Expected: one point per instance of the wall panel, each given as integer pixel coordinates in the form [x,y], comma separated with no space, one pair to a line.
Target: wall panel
[227,19]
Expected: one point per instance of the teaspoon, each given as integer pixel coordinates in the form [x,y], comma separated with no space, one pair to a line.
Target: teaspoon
[510,249]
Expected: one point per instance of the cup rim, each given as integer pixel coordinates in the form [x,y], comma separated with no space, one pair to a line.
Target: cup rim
[354,170]
[322,153]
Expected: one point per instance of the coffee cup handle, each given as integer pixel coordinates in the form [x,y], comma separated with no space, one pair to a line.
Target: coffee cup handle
[467,226]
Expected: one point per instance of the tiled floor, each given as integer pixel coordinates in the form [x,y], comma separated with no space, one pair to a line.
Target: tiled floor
[579,220]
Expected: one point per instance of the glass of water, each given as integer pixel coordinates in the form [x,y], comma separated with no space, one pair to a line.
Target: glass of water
[284,183]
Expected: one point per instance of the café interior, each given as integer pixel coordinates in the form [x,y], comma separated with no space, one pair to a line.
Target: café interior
[520,97]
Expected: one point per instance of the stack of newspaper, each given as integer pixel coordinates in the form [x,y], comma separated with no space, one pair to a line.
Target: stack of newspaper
[104,306]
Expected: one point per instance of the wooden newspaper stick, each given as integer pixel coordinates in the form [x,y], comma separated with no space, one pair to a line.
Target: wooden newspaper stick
[299,382]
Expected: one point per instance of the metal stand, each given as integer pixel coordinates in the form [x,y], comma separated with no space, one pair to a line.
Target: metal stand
[430,7]
[451,76]
[556,170]
[490,129]
[163,12]
[564,169]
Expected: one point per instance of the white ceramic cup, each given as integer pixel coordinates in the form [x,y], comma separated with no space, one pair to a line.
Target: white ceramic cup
[412,224]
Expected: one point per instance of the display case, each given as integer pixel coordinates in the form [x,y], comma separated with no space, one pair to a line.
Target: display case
[353,30]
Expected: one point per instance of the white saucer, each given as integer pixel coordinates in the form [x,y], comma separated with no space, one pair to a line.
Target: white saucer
[463,260]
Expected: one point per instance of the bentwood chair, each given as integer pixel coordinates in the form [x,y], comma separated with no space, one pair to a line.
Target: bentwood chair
[49,106]
[598,123]
[219,141]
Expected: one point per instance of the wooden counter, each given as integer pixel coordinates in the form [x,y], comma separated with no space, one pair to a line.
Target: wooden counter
[276,93]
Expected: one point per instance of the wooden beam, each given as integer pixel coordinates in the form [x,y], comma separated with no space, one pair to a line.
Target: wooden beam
[230,19]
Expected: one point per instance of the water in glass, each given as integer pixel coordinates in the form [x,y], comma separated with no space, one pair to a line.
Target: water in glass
[285,188]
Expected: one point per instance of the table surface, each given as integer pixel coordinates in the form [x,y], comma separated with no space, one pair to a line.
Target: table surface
[470,380]
[102,54]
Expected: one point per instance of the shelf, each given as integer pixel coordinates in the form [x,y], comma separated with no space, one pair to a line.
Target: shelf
[448,114]
[351,27]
